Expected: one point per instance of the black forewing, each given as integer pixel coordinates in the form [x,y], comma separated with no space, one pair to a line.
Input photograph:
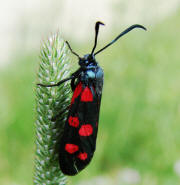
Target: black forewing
[87,113]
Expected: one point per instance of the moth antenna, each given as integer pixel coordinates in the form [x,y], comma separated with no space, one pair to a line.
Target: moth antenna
[121,34]
[96,34]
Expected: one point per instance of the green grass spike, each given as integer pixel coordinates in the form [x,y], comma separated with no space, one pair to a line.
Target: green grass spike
[50,102]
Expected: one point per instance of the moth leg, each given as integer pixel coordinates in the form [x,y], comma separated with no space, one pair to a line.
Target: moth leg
[73,85]
[75,74]
[58,84]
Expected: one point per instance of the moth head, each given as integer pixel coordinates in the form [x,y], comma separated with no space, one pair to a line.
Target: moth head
[86,60]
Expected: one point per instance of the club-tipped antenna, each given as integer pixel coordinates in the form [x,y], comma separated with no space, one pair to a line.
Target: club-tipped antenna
[96,34]
[121,34]
[72,50]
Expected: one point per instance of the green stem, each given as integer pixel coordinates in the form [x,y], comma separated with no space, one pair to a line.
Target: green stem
[50,102]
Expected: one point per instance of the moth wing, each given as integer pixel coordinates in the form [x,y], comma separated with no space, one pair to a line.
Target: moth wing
[78,142]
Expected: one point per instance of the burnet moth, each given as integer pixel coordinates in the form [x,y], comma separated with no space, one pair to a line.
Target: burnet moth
[78,141]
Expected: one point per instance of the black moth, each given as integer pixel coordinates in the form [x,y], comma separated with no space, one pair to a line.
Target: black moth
[78,141]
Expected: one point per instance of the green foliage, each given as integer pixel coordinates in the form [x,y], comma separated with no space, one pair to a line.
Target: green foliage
[51,107]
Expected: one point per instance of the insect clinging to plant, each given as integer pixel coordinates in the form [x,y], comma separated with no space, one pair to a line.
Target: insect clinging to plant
[78,141]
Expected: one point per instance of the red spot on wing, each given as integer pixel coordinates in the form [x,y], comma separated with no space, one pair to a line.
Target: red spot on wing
[77,92]
[86,130]
[73,121]
[82,156]
[87,95]
[71,148]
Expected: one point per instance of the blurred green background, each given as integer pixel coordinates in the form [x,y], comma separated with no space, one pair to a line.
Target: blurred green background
[138,140]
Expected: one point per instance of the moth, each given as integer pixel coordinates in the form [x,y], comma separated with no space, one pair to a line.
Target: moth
[78,142]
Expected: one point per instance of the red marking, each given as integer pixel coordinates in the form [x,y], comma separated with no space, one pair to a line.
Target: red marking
[77,92]
[86,130]
[86,95]
[71,148]
[82,156]
[73,121]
